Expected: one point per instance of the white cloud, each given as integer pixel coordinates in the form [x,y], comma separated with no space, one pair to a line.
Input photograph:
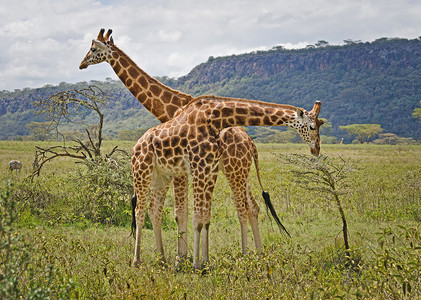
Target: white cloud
[43,41]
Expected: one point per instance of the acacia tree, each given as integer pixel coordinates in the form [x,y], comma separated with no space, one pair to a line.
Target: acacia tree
[70,107]
[417,113]
[325,175]
[362,132]
[40,130]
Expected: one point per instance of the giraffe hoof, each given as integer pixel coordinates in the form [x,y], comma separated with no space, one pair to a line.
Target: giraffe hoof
[136,263]
[197,267]
[181,264]
[202,269]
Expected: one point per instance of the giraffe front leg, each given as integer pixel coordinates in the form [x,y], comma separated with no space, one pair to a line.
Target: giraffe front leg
[140,219]
[197,228]
[159,188]
[200,228]
[181,216]
[142,168]
[203,189]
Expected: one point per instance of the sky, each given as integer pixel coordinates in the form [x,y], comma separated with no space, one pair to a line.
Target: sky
[44,41]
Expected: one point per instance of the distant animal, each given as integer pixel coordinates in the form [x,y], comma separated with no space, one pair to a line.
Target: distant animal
[15,165]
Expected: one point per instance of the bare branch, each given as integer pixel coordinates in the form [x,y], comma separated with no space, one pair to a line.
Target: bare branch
[64,107]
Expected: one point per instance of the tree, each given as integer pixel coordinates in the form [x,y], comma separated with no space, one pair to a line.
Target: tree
[362,132]
[417,113]
[325,175]
[40,130]
[270,135]
[322,44]
[68,107]
[130,135]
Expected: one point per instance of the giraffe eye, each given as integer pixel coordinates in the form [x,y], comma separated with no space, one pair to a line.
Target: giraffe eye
[93,49]
[312,127]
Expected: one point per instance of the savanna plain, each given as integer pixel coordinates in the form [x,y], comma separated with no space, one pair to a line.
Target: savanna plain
[65,234]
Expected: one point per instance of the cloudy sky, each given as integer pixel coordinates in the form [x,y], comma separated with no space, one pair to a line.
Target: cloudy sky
[44,41]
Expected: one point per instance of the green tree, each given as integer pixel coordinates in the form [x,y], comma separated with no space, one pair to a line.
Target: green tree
[130,135]
[270,135]
[40,130]
[362,132]
[328,176]
[417,113]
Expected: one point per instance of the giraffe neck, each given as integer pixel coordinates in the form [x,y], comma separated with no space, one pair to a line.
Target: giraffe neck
[222,113]
[159,99]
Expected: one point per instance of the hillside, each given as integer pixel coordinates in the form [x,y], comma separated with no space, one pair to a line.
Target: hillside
[122,112]
[377,82]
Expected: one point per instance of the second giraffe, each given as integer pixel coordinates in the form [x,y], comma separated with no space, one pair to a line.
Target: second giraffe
[189,143]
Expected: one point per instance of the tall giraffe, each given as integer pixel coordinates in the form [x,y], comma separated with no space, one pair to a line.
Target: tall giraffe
[190,143]
[238,150]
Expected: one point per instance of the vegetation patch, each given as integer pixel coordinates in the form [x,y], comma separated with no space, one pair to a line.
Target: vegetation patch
[66,233]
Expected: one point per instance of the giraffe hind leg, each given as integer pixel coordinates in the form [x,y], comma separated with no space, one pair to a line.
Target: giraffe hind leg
[254,218]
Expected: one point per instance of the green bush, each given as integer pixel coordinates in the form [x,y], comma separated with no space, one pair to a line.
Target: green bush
[396,270]
[104,191]
[21,274]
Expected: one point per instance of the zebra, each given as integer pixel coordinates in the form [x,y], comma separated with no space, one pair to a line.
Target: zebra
[15,165]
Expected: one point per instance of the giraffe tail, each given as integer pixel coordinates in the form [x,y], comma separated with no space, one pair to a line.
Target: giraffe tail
[265,194]
[133,225]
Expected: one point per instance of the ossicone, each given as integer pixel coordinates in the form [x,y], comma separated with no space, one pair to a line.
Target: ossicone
[100,36]
[316,109]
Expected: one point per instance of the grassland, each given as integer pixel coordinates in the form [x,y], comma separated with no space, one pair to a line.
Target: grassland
[70,255]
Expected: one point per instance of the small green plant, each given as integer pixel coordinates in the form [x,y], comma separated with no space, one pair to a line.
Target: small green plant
[396,270]
[13,257]
[17,274]
[326,175]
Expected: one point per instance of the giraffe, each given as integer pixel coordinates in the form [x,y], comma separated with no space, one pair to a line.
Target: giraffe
[190,143]
[238,150]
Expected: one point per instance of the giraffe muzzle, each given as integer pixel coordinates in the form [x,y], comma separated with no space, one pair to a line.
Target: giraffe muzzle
[83,66]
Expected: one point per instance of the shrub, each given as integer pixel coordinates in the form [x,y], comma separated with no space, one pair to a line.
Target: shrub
[395,272]
[105,190]
[20,272]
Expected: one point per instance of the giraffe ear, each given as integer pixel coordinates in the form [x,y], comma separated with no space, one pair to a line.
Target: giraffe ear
[300,112]
[98,44]
[319,122]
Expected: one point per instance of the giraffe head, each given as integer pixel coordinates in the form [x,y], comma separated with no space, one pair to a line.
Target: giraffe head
[308,124]
[99,51]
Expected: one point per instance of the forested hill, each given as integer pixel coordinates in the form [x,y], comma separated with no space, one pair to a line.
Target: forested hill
[377,82]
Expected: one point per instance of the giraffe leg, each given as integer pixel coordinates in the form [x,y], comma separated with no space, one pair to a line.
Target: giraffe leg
[243,215]
[241,203]
[253,218]
[142,168]
[159,188]
[202,189]
[236,162]
[140,211]
[181,215]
